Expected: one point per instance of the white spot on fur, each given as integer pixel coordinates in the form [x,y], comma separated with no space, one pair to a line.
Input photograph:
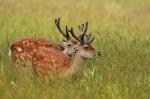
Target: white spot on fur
[19,49]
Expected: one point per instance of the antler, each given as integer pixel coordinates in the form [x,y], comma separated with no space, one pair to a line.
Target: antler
[72,33]
[90,40]
[83,30]
[80,38]
[87,36]
[66,35]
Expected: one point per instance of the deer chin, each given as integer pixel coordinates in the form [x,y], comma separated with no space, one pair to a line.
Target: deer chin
[85,58]
[96,56]
[91,57]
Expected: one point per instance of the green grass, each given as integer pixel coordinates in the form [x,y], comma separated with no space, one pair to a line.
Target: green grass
[122,31]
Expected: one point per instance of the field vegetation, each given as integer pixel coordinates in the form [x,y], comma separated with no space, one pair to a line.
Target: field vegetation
[122,31]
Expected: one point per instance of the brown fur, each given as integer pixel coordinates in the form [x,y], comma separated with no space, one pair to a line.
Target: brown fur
[22,50]
[50,61]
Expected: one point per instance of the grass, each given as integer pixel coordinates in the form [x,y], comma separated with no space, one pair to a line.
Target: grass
[122,35]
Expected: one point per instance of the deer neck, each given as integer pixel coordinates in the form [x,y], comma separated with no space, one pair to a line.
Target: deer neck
[76,67]
[65,51]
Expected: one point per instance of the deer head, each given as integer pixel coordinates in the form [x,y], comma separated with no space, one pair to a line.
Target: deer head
[85,48]
[69,44]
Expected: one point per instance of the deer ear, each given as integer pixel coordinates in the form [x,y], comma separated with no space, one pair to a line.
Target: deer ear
[64,40]
[65,43]
[77,48]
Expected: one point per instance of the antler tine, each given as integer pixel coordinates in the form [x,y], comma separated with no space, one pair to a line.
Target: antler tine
[67,34]
[79,28]
[72,33]
[88,36]
[91,40]
[83,30]
[86,27]
[57,22]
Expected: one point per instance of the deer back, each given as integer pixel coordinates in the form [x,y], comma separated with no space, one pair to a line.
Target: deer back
[22,50]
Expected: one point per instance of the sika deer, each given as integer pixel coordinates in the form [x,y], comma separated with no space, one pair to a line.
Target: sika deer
[22,50]
[48,62]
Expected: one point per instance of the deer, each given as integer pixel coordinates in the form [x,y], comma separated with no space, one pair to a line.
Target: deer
[22,50]
[47,62]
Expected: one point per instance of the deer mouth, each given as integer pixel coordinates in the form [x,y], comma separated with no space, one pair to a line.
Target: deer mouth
[85,58]
[97,55]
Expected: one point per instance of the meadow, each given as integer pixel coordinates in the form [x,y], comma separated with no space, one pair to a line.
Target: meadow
[122,31]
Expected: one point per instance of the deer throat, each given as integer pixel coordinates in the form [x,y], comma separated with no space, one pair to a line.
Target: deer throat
[76,67]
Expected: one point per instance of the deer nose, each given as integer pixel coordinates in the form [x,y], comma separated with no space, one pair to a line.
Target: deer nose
[98,53]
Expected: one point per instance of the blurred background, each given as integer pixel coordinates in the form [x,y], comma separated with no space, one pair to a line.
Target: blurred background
[103,15]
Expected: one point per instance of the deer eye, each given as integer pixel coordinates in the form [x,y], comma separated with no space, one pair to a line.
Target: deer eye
[86,47]
[69,45]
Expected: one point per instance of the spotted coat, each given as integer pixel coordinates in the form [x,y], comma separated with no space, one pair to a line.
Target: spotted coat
[50,61]
[22,50]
